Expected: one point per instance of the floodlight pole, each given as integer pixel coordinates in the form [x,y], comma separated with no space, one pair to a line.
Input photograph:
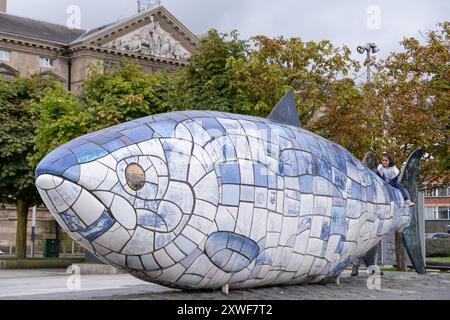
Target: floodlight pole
[369,48]
[368,66]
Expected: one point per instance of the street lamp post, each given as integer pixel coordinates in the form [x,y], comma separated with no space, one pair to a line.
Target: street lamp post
[33,230]
[369,48]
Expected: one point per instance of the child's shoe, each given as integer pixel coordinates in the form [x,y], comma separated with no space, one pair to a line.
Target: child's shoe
[409,203]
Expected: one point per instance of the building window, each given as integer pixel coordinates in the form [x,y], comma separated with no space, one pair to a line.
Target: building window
[46,62]
[5,55]
[430,213]
[437,213]
[442,192]
[438,192]
[443,213]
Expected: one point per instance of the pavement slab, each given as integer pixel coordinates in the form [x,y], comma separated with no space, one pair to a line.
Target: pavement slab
[60,285]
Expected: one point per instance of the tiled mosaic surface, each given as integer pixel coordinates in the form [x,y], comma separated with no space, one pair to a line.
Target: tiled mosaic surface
[219,198]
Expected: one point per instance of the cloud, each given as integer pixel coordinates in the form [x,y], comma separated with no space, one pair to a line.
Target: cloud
[342,22]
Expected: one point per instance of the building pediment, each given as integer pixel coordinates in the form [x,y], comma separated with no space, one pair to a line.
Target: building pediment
[152,40]
[51,74]
[8,70]
[155,33]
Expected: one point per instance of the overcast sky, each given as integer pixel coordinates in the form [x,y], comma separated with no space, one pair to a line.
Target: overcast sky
[341,21]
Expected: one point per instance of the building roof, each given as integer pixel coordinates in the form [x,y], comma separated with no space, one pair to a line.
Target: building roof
[35,29]
[104,29]
[90,32]
[32,29]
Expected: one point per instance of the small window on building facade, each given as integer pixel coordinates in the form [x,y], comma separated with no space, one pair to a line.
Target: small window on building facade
[442,192]
[46,62]
[5,55]
[429,213]
[443,213]
[429,192]
[438,192]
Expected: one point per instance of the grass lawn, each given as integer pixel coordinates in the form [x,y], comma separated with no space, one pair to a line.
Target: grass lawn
[439,259]
[41,258]
[395,269]
[410,270]
[38,263]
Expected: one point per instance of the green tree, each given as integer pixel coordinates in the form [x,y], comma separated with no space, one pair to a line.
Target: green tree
[206,83]
[328,101]
[107,99]
[60,118]
[126,93]
[17,128]
[274,65]
[350,118]
[413,88]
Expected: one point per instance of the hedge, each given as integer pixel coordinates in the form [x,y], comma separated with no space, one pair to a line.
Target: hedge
[437,247]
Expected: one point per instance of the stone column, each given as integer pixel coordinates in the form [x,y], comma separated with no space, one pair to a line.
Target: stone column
[3,6]
[421,216]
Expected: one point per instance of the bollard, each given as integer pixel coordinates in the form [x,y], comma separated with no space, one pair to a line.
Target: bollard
[33,230]
[64,249]
[226,289]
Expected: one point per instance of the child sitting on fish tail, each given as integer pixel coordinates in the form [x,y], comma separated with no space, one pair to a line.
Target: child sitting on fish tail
[388,171]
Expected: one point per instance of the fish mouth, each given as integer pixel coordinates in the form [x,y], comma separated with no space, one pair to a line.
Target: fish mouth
[77,210]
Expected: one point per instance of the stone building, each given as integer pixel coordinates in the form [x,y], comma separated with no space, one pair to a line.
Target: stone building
[437,209]
[154,38]
[45,226]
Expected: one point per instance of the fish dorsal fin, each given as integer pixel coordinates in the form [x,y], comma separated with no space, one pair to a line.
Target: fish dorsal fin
[370,161]
[285,111]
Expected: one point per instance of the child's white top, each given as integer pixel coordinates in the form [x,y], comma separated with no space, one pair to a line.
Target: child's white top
[389,173]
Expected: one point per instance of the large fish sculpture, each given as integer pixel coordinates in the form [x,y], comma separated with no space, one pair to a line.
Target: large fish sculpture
[204,199]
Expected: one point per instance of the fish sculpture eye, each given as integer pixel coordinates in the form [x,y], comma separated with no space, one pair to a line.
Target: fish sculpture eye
[135,176]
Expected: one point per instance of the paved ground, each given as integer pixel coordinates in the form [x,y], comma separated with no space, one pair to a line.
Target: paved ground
[52,284]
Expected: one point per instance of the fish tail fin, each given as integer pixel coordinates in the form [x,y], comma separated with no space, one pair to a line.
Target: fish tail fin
[409,178]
